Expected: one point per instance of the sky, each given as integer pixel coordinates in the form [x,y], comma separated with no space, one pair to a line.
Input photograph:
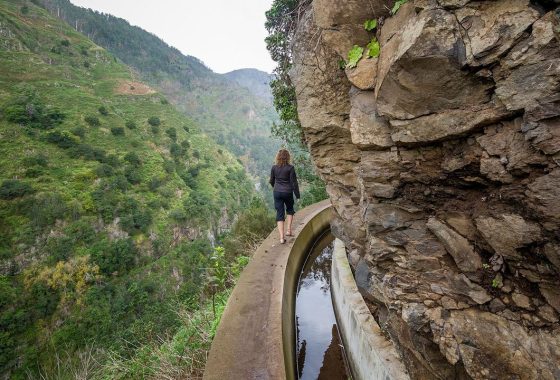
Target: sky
[225,34]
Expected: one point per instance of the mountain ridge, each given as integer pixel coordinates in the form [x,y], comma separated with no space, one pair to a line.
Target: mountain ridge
[228,112]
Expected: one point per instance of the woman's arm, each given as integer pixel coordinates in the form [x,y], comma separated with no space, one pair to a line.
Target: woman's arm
[294,182]
[272,177]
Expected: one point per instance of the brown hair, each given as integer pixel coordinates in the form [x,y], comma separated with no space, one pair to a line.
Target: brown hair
[282,157]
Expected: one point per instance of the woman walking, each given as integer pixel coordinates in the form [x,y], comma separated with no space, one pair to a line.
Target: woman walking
[284,181]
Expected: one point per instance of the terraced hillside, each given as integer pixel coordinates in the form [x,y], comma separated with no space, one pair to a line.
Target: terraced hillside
[235,116]
[105,193]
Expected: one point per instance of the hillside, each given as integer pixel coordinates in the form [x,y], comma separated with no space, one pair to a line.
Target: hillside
[107,196]
[233,115]
[256,81]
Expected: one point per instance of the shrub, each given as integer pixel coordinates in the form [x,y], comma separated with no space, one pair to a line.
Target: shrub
[35,172]
[117,131]
[65,43]
[87,65]
[133,159]
[112,160]
[154,121]
[119,183]
[178,215]
[169,167]
[13,188]
[196,154]
[103,111]
[130,124]
[61,139]
[84,151]
[253,225]
[84,51]
[30,112]
[93,121]
[79,131]
[104,170]
[116,256]
[176,150]
[100,155]
[24,10]
[155,130]
[132,175]
[36,160]
[186,145]
[155,183]
[46,209]
[171,133]
[137,221]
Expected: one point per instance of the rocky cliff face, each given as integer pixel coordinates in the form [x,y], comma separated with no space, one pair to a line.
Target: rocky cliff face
[441,157]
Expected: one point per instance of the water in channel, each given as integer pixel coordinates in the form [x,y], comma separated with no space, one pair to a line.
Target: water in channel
[319,351]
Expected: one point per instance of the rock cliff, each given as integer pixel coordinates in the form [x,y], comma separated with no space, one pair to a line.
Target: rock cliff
[441,158]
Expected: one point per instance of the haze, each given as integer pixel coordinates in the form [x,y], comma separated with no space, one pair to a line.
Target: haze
[225,34]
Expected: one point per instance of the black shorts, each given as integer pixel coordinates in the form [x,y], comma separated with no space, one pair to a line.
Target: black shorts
[283,203]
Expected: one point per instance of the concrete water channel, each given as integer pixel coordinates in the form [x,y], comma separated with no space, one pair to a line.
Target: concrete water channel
[258,336]
[319,350]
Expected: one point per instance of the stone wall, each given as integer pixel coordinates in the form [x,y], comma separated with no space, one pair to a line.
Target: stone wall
[441,158]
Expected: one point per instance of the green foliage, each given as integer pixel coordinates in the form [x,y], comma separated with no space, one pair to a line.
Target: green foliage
[93,121]
[154,121]
[130,124]
[281,22]
[36,160]
[252,226]
[61,139]
[115,256]
[79,131]
[29,110]
[354,56]
[133,159]
[117,131]
[103,110]
[370,25]
[102,267]
[171,133]
[13,188]
[373,48]
[397,6]
[24,10]
[341,64]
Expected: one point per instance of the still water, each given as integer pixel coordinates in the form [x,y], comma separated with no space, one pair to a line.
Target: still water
[319,350]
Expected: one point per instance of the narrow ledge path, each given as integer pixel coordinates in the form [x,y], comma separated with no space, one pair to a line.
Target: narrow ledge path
[254,339]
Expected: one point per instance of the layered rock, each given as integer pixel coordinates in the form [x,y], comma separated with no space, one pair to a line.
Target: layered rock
[441,158]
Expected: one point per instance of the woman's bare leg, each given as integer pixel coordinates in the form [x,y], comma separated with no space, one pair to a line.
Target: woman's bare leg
[289,220]
[281,229]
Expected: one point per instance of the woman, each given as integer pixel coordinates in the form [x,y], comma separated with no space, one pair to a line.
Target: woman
[284,181]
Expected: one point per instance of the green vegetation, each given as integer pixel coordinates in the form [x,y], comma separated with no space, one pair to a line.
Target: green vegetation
[232,109]
[354,56]
[370,25]
[397,6]
[280,24]
[373,48]
[103,238]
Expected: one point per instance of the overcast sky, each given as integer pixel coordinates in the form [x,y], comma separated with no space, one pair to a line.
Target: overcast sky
[225,34]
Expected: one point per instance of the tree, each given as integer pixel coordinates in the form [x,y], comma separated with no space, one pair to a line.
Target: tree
[103,111]
[154,121]
[117,131]
[13,188]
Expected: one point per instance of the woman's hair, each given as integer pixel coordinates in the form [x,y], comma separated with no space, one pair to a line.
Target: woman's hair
[282,157]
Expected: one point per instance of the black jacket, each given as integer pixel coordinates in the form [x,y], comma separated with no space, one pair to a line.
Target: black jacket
[284,179]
